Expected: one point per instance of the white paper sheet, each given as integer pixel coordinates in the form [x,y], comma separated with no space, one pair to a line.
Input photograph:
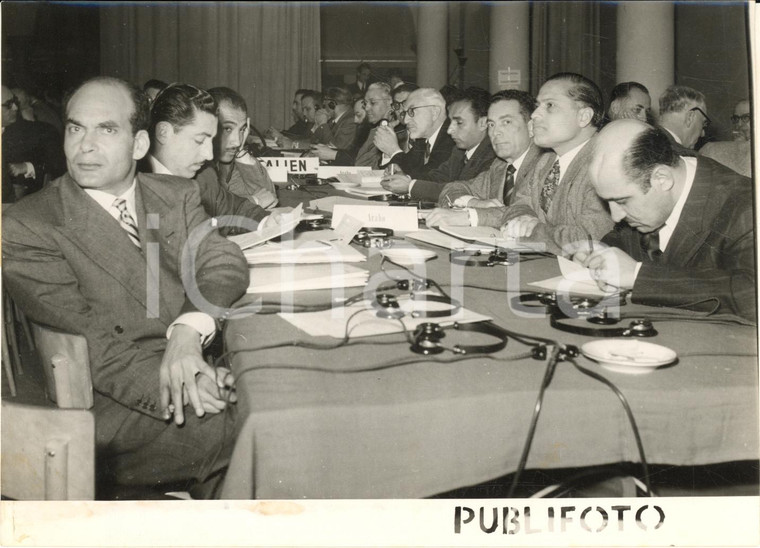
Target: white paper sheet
[270,231]
[288,278]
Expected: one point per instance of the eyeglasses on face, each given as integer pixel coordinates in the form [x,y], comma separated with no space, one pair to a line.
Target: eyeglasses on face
[741,118]
[410,111]
[10,102]
[707,120]
[371,102]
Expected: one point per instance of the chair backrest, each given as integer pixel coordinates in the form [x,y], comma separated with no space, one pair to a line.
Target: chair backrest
[66,363]
[48,454]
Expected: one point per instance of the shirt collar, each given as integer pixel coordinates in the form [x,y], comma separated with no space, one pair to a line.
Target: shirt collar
[670,225]
[106,200]
[471,151]
[431,140]
[158,167]
[676,137]
[518,162]
[567,158]
[339,116]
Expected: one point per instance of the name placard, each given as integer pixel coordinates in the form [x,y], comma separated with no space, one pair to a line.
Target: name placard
[402,219]
[325,172]
[299,166]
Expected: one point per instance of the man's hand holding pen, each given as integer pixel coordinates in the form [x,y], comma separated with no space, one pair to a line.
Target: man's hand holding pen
[611,267]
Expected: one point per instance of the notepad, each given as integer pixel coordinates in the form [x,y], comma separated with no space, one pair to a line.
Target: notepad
[270,231]
[288,278]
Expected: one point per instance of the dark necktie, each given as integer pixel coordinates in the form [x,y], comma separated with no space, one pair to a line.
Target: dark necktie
[126,221]
[509,184]
[427,151]
[650,244]
[550,186]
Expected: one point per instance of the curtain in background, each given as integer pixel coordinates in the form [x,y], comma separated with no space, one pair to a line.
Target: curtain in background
[264,51]
[565,37]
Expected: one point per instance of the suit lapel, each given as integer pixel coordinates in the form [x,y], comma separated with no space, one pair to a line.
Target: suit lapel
[690,233]
[99,236]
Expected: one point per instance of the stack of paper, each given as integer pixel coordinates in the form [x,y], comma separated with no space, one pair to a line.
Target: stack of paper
[435,237]
[288,278]
[271,230]
[491,236]
[307,252]
[575,279]
[327,172]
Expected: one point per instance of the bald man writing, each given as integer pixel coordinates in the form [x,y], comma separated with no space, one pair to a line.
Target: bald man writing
[685,232]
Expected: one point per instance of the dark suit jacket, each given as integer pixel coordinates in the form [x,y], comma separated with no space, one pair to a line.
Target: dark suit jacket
[711,254]
[68,264]
[340,135]
[678,147]
[216,200]
[35,142]
[412,161]
[300,130]
[489,185]
[454,169]
[348,157]
[576,212]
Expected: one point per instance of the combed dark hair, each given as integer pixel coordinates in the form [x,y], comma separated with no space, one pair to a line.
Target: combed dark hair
[623,89]
[140,117]
[178,105]
[648,149]
[677,98]
[314,95]
[584,91]
[222,94]
[526,101]
[301,91]
[155,84]
[478,99]
[407,87]
[363,65]
[450,93]
[340,95]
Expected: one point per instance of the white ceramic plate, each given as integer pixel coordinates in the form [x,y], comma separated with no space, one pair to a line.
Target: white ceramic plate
[408,255]
[344,186]
[632,356]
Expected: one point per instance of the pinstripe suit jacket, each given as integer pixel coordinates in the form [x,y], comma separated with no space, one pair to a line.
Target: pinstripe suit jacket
[711,254]
[69,265]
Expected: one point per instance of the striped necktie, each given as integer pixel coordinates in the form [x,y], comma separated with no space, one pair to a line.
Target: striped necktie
[126,221]
[509,184]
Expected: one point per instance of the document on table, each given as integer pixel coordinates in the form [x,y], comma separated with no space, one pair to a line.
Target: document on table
[365,323]
[288,223]
[435,237]
[490,236]
[328,203]
[306,252]
[287,278]
[575,279]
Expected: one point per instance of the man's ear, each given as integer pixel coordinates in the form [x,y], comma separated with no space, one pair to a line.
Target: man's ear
[689,118]
[662,178]
[483,123]
[585,116]
[141,145]
[163,130]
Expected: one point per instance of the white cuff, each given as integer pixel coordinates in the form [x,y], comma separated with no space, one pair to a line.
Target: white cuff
[201,322]
[636,271]
[262,222]
[411,184]
[473,216]
[462,201]
[30,173]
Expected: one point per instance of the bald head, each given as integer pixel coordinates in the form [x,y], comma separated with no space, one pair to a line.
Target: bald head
[612,144]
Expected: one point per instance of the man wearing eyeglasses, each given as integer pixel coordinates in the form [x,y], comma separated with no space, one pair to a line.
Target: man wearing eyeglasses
[377,103]
[683,115]
[735,154]
[233,166]
[31,151]
[425,117]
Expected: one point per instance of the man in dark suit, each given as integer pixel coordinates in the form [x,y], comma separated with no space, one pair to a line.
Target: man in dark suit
[683,116]
[427,124]
[98,252]
[377,103]
[471,155]
[340,130]
[363,80]
[31,151]
[685,233]
[483,200]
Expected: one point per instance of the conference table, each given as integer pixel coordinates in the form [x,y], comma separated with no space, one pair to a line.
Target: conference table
[371,419]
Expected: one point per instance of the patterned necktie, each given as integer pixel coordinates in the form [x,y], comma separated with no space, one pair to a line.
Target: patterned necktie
[126,221]
[509,184]
[427,151]
[550,186]
[650,244]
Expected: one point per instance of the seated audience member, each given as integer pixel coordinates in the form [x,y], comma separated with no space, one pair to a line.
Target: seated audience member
[559,207]
[398,96]
[630,100]
[360,115]
[736,154]
[348,157]
[183,123]
[45,112]
[471,155]
[486,196]
[426,121]
[153,87]
[300,128]
[233,167]
[31,152]
[683,116]
[685,232]
[377,103]
[340,130]
[450,93]
[363,80]
[24,104]
[76,258]
[395,78]
[313,115]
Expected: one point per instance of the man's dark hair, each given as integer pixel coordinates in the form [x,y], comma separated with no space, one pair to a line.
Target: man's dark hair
[178,104]
[229,95]
[648,149]
[155,84]
[526,101]
[623,89]
[478,99]
[339,95]
[301,91]
[584,91]
[314,95]
[450,93]
[363,66]
[405,87]
[140,117]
